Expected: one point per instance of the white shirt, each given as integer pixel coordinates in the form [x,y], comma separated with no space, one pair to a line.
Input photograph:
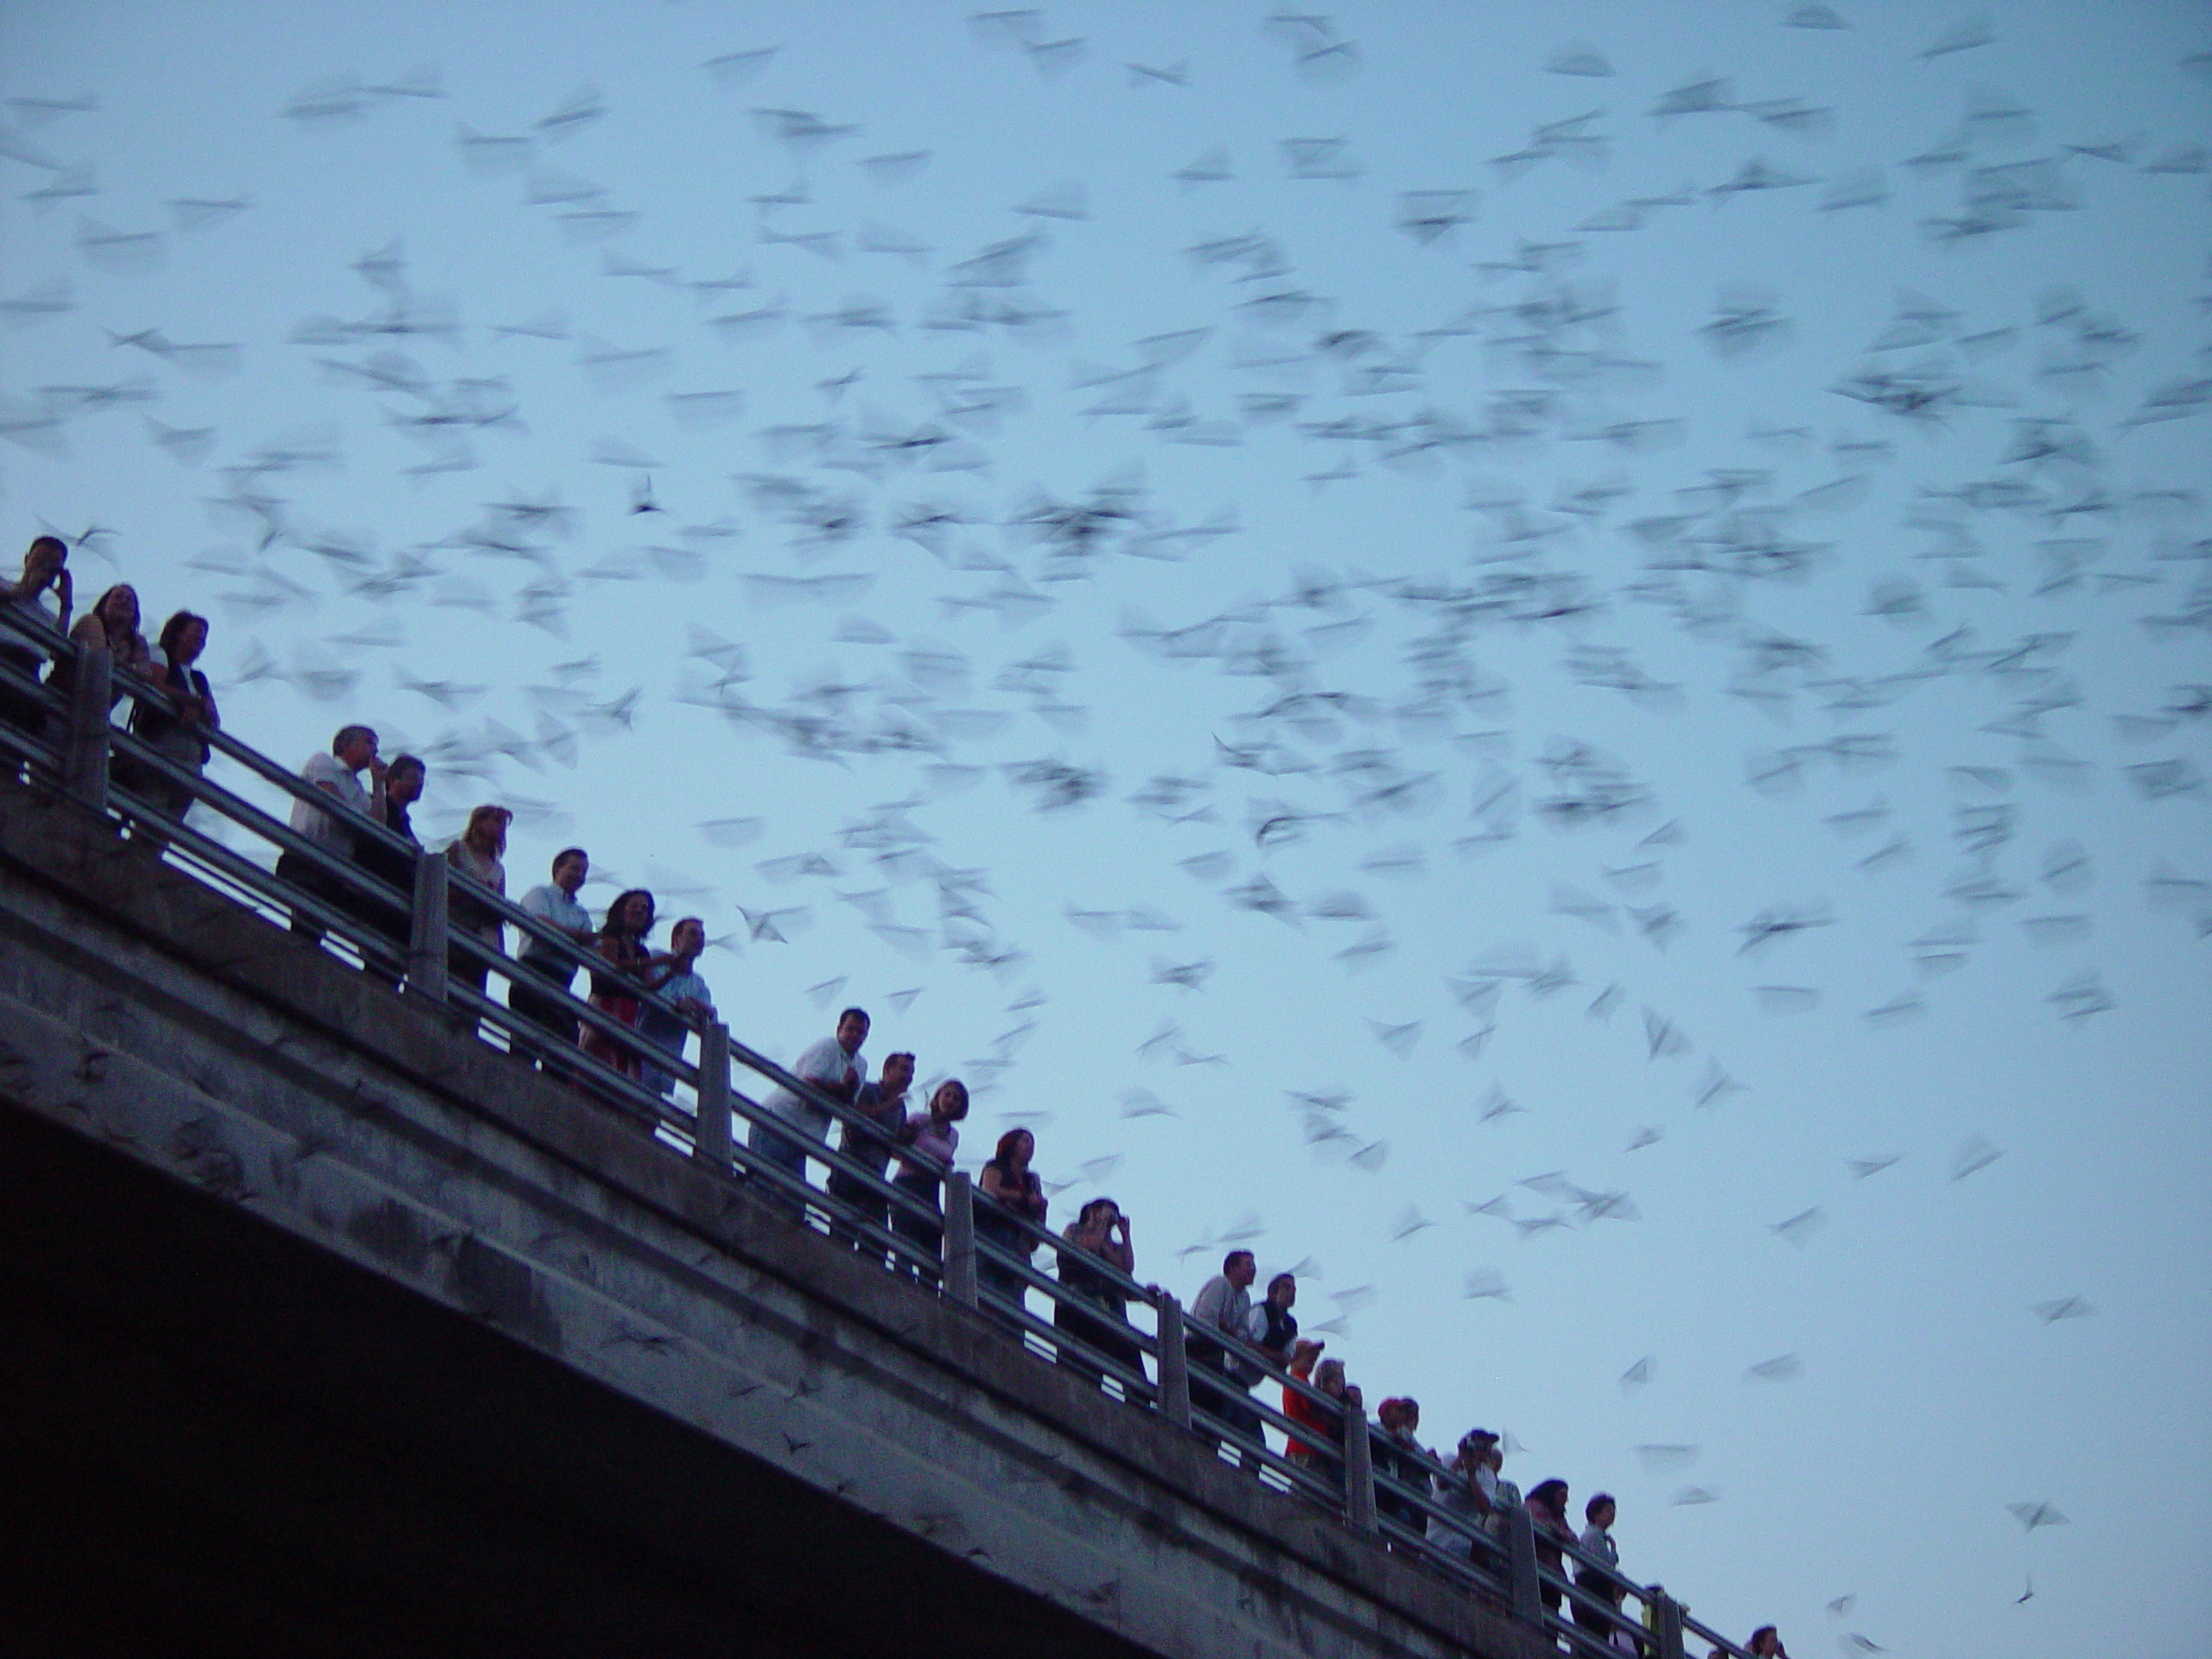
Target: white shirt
[549,904]
[827,1064]
[1225,1306]
[327,773]
[1596,1540]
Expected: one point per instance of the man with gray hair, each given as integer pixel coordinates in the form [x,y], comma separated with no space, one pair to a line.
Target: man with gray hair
[1223,1308]
[337,775]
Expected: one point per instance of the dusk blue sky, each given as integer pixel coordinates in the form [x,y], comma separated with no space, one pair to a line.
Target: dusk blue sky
[1573,486]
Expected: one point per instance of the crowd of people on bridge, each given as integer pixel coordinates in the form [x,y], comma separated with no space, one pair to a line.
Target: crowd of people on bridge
[657,992]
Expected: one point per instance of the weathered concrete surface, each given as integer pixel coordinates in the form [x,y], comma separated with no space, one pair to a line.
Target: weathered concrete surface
[334,1330]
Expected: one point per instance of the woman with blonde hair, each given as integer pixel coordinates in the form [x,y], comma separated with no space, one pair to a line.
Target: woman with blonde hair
[476,854]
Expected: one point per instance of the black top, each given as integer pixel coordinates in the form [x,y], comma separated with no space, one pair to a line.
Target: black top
[1079,1272]
[150,724]
[992,1215]
[627,954]
[872,1145]
[388,863]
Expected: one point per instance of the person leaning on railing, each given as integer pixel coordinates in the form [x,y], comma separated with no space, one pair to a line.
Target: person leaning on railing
[878,1118]
[180,738]
[337,774]
[1099,1233]
[553,903]
[675,979]
[476,854]
[1222,1307]
[931,1139]
[404,780]
[836,1067]
[1010,1190]
[1599,1580]
[111,626]
[46,566]
[1325,1419]
[621,943]
[1403,1459]
[1274,1327]
[1468,1489]
[1547,1505]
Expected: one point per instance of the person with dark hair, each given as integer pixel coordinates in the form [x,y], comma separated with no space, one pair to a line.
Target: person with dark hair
[675,979]
[394,918]
[1766,1644]
[1547,1505]
[24,641]
[1469,1490]
[867,1141]
[1222,1309]
[337,775]
[180,738]
[476,853]
[553,903]
[835,1066]
[1011,1193]
[1405,1459]
[1274,1327]
[931,1139]
[621,943]
[1100,1233]
[1600,1582]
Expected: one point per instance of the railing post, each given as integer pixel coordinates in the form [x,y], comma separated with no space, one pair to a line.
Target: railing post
[1521,1554]
[1359,1470]
[1174,1362]
[1670,1626]
[710,1132]
[428,927]
[84,748]
[960,1238]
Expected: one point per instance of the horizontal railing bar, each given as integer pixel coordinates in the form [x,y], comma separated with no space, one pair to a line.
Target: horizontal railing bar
[1318,1486]
[1062,1340]
[1692,1627]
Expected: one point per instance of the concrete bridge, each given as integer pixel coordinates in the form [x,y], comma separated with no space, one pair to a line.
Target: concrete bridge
[332,1329]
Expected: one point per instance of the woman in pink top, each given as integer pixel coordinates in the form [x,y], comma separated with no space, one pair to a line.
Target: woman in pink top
[930,1138]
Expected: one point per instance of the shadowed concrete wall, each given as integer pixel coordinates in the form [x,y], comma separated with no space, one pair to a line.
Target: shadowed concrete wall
[333,1330]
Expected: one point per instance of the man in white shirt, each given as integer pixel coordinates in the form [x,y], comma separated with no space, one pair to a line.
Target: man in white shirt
[1223,1308]
[337,775]
[835,1066]
[555,903]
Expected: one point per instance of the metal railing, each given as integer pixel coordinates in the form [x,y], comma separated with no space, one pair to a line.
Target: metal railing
[1398,1495]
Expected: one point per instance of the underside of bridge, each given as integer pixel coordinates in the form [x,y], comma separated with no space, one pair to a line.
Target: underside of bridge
[216,1437]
